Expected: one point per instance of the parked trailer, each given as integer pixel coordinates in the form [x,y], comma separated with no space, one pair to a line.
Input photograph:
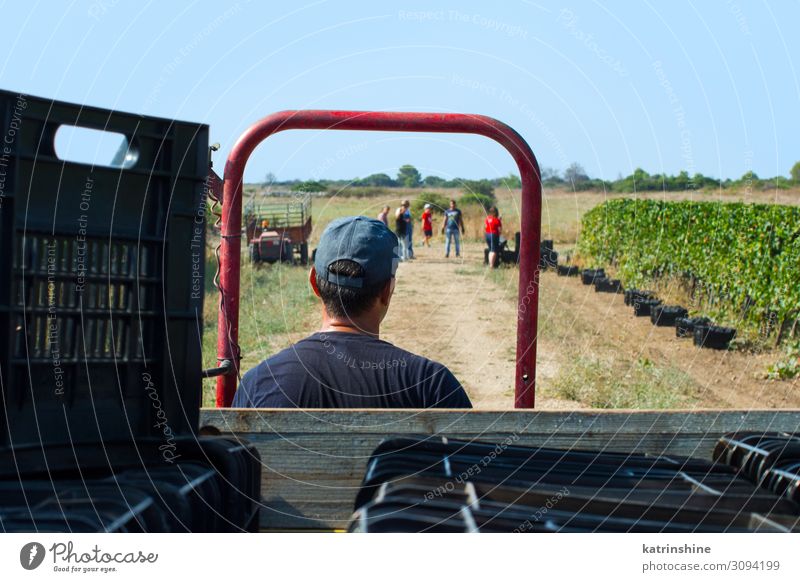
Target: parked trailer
[279,231]
[313,460]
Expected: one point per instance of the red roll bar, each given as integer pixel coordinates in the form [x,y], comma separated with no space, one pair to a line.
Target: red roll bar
[531,213]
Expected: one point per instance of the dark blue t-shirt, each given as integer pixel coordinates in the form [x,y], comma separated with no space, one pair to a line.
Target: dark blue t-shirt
[349,370]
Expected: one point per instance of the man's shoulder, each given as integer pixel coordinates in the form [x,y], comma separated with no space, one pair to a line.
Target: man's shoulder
[328,343]
[260,380]
[289,356]
[293,353]
[415,360]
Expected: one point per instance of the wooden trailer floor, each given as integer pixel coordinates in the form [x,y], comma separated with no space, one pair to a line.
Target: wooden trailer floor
[314,460]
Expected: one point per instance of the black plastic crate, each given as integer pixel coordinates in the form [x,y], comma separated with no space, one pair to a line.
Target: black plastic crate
[78,506]
[606,285]
[633,295]
[210,484]
[101,277]
[548,257]
[188,494]
[589,276]
[435,484]
[684,326]
[667,315]
[567,270]
[644,307]
[771,460]
[715,337]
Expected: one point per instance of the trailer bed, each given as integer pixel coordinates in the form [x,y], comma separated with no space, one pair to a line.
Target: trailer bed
[314,460]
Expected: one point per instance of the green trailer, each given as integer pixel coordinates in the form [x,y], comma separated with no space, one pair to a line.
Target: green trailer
[279,231]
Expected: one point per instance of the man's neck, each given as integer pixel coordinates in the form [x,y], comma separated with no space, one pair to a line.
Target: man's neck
[349,326]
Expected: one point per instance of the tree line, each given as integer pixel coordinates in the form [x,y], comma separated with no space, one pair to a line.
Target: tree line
[573,177]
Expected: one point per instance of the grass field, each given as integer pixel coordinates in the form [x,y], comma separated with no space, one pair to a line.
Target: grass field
[582,362]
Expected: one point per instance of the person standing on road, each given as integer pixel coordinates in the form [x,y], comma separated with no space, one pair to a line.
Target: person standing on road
[453,223]
[383,215]
[493,226]
[427,225]
[409,229]
[401,229]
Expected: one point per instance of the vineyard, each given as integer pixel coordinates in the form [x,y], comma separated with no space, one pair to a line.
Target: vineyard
[737,261]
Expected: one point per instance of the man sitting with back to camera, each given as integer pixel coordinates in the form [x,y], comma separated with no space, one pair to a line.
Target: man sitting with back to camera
[346,364]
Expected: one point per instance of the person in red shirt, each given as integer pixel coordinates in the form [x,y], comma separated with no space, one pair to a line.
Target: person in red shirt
[427,225]
[493,228]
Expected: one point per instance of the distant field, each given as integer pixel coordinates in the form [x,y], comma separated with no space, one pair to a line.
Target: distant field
[561,209]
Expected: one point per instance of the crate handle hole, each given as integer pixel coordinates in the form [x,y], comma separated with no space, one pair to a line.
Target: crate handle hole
[84,145]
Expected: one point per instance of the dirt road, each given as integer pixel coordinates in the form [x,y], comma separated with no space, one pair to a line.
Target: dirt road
[458,313]
[452,311]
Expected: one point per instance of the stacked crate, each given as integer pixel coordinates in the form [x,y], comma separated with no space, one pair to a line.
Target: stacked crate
[101,303]
[432,484]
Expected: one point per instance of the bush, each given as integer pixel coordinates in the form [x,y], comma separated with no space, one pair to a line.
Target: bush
[380,180]
[437,201]
[795,173]
[477,199]
[510,182]
[408,176]
[434,182]
[309,186]
[742,259]
[787,367]
[481,187]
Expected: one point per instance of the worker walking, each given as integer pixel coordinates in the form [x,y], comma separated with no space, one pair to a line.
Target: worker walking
[493,226]
[451,227]
[401,229]
[409,229]
[427,225]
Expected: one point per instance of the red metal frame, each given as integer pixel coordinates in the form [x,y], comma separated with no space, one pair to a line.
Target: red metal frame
[531,212]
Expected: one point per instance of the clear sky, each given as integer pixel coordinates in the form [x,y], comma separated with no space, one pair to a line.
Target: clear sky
[711,87]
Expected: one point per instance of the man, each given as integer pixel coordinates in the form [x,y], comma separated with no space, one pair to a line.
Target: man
[401,230]
[427,225]
[383,215]
[346,364]
[409,229]
[453,223]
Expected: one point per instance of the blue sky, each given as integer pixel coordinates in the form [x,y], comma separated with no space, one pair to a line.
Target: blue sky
[711,87]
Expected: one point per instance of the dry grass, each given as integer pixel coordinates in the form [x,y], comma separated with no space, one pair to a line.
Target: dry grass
[599,383]
[276,309]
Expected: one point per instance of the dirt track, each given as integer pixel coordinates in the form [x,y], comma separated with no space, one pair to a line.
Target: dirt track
[451,311]
[445,310]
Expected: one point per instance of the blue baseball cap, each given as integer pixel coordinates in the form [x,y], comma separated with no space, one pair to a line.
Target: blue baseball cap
[363,240]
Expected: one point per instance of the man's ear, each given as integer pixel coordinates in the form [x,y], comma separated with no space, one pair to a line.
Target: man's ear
[387,291]
[312,280]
